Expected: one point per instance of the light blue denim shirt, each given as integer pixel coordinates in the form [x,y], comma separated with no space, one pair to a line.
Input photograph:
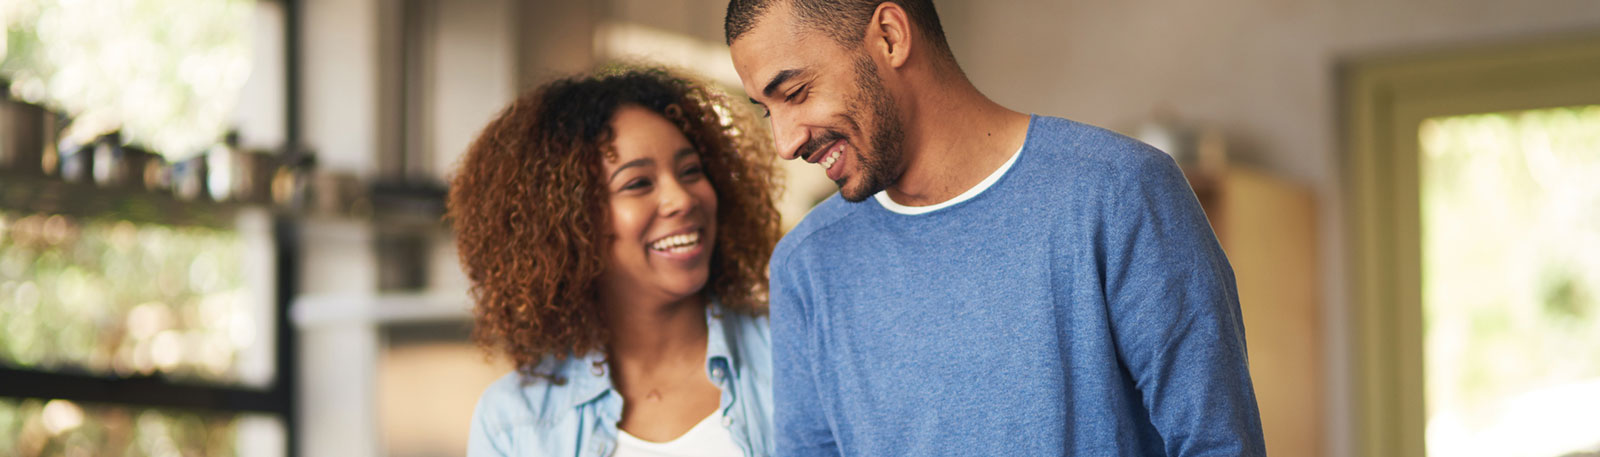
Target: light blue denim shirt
[575,412]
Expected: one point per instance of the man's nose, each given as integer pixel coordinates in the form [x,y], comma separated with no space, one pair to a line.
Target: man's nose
[788,137]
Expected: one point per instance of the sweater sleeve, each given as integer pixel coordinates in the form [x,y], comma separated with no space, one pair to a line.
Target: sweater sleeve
[798,418]
[1175,315]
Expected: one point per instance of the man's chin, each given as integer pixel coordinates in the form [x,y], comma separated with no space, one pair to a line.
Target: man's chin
[854,194]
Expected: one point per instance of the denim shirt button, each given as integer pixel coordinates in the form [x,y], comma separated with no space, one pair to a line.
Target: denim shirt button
[716,373]
[727,421]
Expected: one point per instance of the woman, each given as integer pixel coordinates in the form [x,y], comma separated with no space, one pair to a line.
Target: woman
[616,229]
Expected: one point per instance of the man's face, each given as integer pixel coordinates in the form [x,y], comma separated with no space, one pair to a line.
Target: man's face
[828,104]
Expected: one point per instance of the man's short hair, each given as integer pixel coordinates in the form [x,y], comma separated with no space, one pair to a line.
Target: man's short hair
[842,20]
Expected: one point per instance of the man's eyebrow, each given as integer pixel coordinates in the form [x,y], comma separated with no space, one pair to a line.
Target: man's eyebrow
[772,86]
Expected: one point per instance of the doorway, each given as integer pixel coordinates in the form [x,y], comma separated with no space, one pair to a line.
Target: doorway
[1473,220]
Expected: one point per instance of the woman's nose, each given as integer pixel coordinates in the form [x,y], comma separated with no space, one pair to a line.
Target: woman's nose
[675,198]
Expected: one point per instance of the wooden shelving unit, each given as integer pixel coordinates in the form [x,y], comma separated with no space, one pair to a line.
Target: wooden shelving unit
[1267,226]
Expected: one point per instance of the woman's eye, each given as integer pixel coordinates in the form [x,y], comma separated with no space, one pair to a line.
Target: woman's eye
[693,172]
[636,184]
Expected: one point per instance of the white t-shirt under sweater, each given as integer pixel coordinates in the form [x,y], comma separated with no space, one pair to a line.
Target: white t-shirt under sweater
[707,439]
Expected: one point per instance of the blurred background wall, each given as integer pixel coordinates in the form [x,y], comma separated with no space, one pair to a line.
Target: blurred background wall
[365,105]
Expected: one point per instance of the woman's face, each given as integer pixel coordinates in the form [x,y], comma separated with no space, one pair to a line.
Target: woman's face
[663,210]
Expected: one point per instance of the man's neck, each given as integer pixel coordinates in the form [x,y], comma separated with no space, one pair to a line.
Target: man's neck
[956,137]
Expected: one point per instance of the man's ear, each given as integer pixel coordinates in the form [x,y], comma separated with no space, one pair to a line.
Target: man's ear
[889,34]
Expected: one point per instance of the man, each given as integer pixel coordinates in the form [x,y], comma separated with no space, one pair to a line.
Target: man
[986,282]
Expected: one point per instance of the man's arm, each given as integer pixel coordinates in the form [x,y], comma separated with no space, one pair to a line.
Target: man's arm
[1175,315]
[798,420]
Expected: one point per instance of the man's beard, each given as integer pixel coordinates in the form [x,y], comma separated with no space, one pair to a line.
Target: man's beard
[882,162]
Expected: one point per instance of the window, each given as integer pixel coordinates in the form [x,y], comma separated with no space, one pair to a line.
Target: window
[1451,284]
[63,427]
[114,298]
[134,322]
[1511,282]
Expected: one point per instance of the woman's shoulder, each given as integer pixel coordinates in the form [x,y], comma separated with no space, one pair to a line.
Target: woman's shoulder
[749,336]
[514,398]
[743,328]
[519,398]
[756,324]
[520,414]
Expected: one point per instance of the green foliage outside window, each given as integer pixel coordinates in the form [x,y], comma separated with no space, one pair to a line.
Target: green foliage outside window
[31,427]
[1511,282]
[115,298]
[167,73]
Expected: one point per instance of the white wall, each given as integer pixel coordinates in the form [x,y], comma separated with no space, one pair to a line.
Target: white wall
[339,71]
[471,74]
[339,114]
[474,53]
[698,19]
[260,113]
[1265,71]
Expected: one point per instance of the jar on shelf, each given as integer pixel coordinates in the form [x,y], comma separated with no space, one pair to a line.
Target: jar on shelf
[23,136]
[189,178]
[117,164]
[75,159]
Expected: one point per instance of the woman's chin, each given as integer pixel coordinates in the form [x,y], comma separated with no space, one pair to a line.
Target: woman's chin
[689,288]
[676,285]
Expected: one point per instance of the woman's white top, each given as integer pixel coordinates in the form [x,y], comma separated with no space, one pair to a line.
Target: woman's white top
[709,438]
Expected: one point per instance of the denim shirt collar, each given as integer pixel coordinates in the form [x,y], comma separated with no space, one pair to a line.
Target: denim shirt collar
[589,375]
[573,409]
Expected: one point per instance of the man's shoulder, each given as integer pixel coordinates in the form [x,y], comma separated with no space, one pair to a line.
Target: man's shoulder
[831,212]
[1067,164]
[1068,143]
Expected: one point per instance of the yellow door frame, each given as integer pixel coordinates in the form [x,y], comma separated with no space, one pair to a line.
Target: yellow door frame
[1385,100]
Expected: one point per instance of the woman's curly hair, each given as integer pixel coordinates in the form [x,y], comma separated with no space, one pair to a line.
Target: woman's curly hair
[529,207]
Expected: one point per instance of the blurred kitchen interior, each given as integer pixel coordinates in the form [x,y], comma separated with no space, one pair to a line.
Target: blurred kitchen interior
[220,220]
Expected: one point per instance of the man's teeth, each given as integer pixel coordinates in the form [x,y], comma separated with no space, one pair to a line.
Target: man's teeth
[833,156]
[677,242]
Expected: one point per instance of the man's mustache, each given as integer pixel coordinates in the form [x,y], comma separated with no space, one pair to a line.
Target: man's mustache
[816,144]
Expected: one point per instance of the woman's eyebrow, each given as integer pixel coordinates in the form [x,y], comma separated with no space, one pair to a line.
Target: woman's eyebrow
[631,164]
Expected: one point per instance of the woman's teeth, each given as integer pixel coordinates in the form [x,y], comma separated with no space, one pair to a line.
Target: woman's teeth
[833,156]
[677,243]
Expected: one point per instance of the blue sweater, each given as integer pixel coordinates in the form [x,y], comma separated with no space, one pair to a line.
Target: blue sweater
[1080,305]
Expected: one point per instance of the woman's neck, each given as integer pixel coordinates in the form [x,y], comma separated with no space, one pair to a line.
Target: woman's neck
[647,339]
[657,356]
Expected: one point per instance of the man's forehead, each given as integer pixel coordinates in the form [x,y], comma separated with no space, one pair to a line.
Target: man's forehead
[769,48]
[772,31]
